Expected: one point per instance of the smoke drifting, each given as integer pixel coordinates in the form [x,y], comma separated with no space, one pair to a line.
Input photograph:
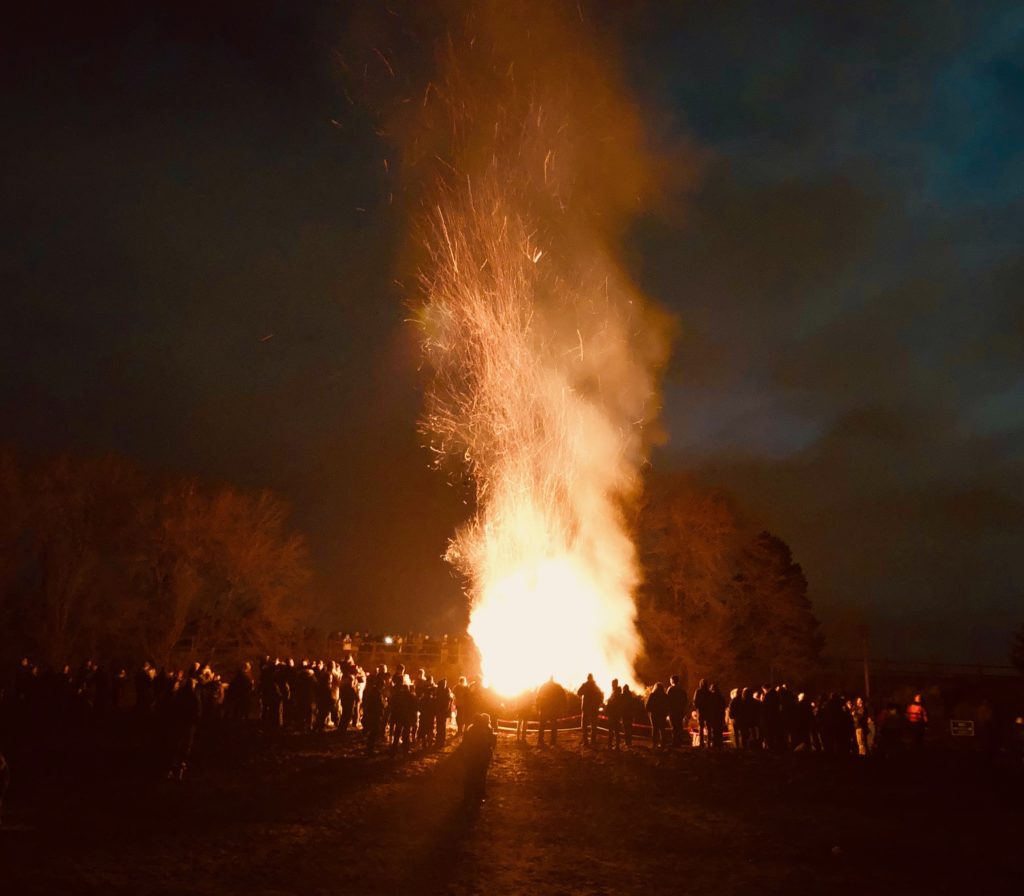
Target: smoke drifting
[544,358]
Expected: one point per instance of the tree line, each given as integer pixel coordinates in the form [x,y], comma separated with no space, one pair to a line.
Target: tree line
[99,557]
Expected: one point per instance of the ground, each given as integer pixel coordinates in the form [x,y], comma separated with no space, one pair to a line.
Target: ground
[311,815]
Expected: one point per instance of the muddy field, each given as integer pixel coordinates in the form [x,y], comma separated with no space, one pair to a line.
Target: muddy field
[312,815]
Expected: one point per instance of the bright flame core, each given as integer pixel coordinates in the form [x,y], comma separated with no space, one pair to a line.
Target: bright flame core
[541,622]
[544,356]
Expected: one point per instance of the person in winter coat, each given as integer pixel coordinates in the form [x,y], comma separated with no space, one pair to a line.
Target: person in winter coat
[592,697]
[657,710]
[477,748]
[677,705]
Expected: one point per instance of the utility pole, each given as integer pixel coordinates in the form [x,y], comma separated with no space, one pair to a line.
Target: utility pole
[864,654]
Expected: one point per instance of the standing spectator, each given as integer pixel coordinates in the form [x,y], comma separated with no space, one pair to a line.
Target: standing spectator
[477,748]
[184,710]
[804,723]
[863,726]
[592,697]
[917,722]
[463,709]
[700,703]
[550,705]
[677,705]
[373,712]
[238,700]
[657,711]
[631,707]
[403,715]
[442,707]
[522,707]
[888,732]
[349,696]
[715,713]
[613,710]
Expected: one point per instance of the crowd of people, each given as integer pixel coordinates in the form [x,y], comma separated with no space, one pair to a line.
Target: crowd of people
[767,718]
[400,710]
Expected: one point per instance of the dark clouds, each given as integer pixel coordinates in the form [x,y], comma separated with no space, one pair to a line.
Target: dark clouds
[180,187]
[849,285]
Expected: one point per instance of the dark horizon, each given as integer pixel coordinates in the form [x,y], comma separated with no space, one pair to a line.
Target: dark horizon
[201,253]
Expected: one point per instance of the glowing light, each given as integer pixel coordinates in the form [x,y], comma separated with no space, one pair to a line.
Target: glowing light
[541,622]
[544,357]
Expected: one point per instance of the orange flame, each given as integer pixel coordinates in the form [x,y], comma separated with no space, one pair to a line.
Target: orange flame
[544,356]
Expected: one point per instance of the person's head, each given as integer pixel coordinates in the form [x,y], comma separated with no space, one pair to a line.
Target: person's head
[590,676]
[482,719]
[626,690]
[615,683]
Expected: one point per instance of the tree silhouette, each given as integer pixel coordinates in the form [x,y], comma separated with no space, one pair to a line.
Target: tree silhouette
[97,557]
[719,596]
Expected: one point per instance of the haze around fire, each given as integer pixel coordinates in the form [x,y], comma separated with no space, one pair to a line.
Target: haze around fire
[544,358]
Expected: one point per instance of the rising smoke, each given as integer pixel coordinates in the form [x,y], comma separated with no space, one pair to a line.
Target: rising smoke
[543,357]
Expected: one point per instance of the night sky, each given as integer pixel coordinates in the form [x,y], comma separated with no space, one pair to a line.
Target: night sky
[199,258]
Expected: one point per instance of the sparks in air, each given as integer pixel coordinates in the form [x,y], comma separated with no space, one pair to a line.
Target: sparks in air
[543,357]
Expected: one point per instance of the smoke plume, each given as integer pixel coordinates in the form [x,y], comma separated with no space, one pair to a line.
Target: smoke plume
[543,356]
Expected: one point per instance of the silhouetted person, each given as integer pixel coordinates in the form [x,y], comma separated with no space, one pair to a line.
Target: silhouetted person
[442,708]
[550,705]
[887,732]
[771,719]
[185,710]
[476,748]
[677,706]
[787,716]
[613,711]
[631,708]
[463,705]
[804,723]
[917,722]
[657,711]
[403,716]
[348,694]
[238,701]
[700,704]
[373,713]
[591,697]
[863,725]
[522,707]
[715,714]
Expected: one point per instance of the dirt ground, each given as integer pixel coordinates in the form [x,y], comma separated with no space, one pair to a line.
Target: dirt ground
[312,815]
